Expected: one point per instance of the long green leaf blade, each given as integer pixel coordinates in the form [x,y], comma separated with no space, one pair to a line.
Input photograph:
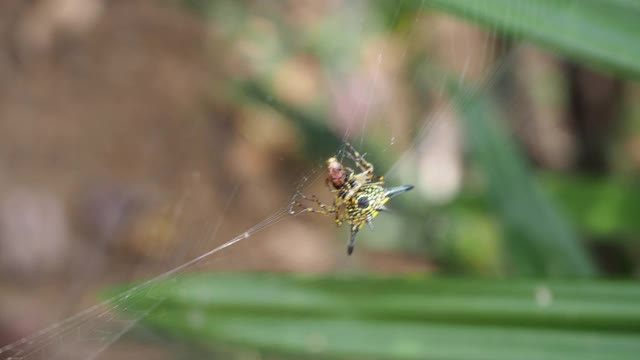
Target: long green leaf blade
[598,32]
[400,317]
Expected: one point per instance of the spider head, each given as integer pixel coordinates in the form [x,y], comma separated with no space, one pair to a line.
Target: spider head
[337,175]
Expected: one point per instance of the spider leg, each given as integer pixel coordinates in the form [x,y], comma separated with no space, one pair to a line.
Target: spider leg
[324,209]
[366,176]
[358,159]
[340,216]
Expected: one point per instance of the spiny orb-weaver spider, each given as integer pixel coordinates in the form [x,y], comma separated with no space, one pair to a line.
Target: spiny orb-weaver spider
[359,197]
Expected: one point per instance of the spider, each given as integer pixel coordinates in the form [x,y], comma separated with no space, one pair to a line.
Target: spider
[358,197]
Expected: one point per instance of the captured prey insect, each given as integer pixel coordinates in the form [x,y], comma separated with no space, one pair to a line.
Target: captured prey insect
[358,197]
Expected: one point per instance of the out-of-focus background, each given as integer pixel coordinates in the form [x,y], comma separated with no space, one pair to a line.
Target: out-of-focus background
[135,135]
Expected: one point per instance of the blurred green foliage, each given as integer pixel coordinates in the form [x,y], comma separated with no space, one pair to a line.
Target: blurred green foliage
[320,139]
[605,208]
[399,317]
[595,32]
[540,240]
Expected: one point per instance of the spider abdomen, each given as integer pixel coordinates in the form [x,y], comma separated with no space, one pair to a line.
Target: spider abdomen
[365,204]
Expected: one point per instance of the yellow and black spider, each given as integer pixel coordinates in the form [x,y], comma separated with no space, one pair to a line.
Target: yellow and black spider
[359,197]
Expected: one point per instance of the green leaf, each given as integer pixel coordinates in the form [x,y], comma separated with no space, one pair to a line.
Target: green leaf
[597,32]
[601,207]
[539,238]
[398,317]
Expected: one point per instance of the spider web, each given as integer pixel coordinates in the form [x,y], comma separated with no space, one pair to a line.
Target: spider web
[87,334]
